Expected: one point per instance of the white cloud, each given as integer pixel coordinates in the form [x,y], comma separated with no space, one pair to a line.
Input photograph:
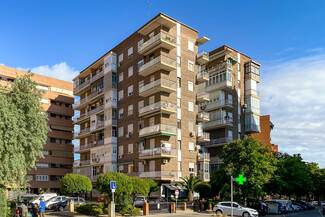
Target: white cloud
[1,64]
[315,50]
[60,71]
[293,93]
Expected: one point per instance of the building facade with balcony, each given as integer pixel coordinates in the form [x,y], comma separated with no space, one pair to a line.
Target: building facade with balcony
[156,99]
[231,99]
[58,150]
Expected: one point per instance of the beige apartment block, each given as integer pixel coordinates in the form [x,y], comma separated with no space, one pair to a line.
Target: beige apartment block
[58,150]
[147,106]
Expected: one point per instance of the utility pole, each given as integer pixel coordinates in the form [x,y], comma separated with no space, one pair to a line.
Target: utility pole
[241,179]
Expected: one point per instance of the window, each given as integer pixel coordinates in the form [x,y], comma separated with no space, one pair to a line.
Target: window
[179,124]
[179,83]
[151,100]
[141,84]
[130,71]
[140,124]
[40,87]
[130,148]
[191,167]
[130,109]
[152,166]
[191,66]
[130,90]
[190,46]
[46,153]
[42,178]
[120,131]
[140,104]
[45,100]
[190,86]
[140,63]
[120,77]
[191,126]
[120,113]
[120,168]
[114,131]
[230,135]
[120,58]
[130,128]
[130,52]
[120,151]
[39,165]
[120,95]
[191,106]
[191,146]
[151,121]
[140,167]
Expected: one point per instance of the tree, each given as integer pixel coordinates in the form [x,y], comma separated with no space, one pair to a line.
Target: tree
[255,162]
[23,130]
[75,185]
[153,186]
[140,187]
[192,183]
[124,188]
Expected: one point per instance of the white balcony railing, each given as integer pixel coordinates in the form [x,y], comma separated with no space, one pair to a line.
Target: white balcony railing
[81,101]
[252,109]
[98,75]
[216,104]
[158,105]
[83,131]
[252,92]
[157,151]
[159,174]
[84,162]
[217,141]
[203,54]
[253,76]
[218,67]
[202,75]
[160,36]
[157,128]
[203,95]
[92,144]
[159,82]
[204,115]
[203,135]
[203,156]
[161,58]
[217,123]
[92,79]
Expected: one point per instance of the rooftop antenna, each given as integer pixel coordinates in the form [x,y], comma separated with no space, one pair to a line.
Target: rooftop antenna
[148,9]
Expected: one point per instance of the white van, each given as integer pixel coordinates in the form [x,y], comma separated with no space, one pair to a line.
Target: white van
[287,204]
[44,196]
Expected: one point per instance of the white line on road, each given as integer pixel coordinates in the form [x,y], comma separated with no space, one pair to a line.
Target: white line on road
[320,213]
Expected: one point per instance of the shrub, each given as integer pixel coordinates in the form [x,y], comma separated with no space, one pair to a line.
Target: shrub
[130,210]
[94,209]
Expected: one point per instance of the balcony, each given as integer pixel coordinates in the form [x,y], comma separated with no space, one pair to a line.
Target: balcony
[160,85]
[99,124]
[202,96]
[161,40]
[219,85]
[203,137]
[215,124]
[252,128]
[159,21]
[205,176]
[216,105]
[86,171]
[216,142]
[81,132]
[159,175]
[251,92]
[203,116]
[252,76]
[97,76]
[203,157]
[202,77]
[89,97]
[90,145]
[85,115]
[159,63]
[202,57]
[219,67]
[251,109]
[216,160]
[84,162]
[164,107]
[156,153]
[81,86]
[84,84]
[158,130]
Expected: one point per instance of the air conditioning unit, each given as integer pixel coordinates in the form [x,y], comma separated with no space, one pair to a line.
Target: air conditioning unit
[164,161]
[120,156]
[119,64]
[127,136]
[203,107]
[144,162]
[97,159]
[93,159]
[192,134]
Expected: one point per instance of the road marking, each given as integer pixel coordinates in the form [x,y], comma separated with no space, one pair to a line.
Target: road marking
[320,213]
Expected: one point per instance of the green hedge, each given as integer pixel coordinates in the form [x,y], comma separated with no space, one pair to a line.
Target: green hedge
[130,210]
[94,209]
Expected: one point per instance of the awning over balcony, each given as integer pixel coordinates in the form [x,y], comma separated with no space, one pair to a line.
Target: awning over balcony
[174,187]
[232,59]
[97,131]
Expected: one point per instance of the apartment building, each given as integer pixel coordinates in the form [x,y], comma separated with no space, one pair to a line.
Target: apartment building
[229,100]
[264,136]
[58,150]
[154,107]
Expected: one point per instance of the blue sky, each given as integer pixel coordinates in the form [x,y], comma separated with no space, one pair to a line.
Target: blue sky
[60,38]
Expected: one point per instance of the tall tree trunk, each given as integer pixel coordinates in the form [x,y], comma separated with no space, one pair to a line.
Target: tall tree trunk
[190,196]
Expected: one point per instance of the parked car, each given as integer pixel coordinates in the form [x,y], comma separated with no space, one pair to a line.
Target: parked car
[44,196]
[225,208]
[50,203]
[275,207]
[296,208]
[324,209]
[306,205]
[139,201]
[287,204]
[64,205]
[260,206]
[26,198]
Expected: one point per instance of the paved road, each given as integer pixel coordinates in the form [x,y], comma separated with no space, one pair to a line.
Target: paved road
[310,213]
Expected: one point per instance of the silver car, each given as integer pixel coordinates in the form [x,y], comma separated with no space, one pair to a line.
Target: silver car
[225,208]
